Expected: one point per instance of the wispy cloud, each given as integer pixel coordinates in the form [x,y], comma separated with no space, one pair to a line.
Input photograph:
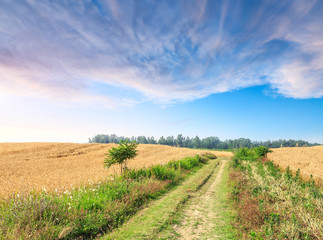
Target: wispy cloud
[164,51]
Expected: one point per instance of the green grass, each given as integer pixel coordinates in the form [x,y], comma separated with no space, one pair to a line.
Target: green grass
[272,204]
[91,210]
[154,221]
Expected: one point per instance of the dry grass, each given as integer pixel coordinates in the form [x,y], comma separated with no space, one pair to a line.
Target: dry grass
[61,166]
[308,159]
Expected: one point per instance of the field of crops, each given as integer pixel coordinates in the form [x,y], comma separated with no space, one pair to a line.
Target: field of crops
[61,166]
[308,159]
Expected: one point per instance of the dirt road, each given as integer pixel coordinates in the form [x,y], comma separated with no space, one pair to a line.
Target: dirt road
[203,215]
[195,209]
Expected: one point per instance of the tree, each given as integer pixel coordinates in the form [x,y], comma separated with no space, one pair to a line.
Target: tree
[126,150]
[151,140]
[196,142]
[209,142]
[179,140]
[162,140]
[142,139]
[170,141]
[187,142]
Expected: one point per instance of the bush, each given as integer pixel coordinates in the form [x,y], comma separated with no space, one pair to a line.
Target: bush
[173,164]
[190,162]
[137,174]
[245,154]
[250,154]
[261,151]
[204,159]
[209,155]
[164,173]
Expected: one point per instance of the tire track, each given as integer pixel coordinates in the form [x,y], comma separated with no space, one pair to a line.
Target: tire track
[199,214]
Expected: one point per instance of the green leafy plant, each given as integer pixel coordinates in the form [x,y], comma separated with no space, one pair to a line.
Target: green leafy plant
[119,155]
[261,151]
[209,155]
[164,173]
[245,154]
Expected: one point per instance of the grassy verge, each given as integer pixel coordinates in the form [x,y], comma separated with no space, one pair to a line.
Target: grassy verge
[152,222]
[92,210]
[274,204]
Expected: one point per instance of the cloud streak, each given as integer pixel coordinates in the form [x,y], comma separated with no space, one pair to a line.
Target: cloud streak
[162,51]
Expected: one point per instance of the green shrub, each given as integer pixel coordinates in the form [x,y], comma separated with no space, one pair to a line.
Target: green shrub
[249,154]
[138,174]
[209,155]
[189,162]
[173,164]
[242,154]
[164,173]
[185,165]
[245,154]
[261,151]
[204,159]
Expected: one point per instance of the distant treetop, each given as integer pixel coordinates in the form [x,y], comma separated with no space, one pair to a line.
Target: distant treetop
[206,143]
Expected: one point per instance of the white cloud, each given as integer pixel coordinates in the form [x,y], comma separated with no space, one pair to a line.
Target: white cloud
[165,51]
[300,80]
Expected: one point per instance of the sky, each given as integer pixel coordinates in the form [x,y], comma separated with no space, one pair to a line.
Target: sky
[72,69]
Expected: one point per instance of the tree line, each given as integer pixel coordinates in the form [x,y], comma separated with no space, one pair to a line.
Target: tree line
[206,143]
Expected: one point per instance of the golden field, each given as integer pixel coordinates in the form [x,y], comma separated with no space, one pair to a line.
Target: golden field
[308,159]
[61,166]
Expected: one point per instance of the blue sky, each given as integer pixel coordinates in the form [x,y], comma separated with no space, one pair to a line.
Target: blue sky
[73,69]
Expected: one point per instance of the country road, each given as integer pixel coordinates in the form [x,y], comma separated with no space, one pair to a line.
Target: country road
[202,216]
[195,209]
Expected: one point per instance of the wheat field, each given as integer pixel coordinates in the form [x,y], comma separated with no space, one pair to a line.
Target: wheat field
[308,159]
[61,166]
